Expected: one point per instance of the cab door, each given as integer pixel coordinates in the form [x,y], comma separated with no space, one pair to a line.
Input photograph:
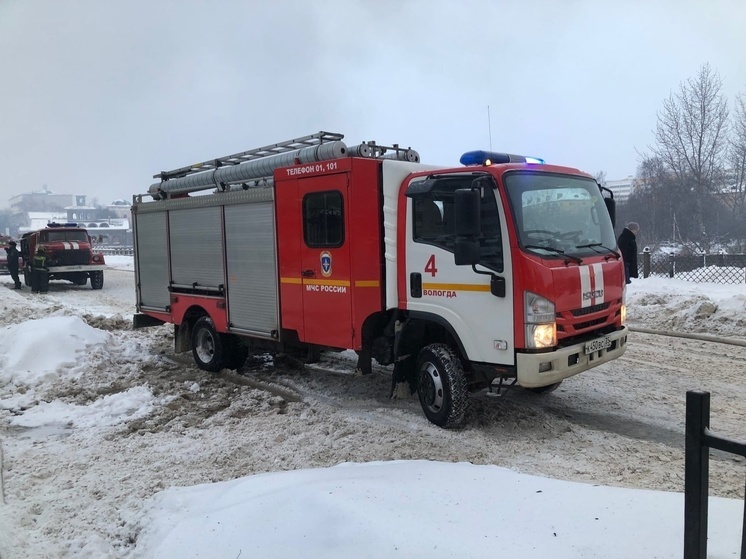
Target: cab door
[325,261]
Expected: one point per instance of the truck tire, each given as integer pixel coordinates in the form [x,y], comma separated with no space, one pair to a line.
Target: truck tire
[208,348]
[441,385]
[97,279]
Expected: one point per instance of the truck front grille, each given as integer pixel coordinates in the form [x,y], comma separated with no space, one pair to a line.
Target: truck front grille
[71,257]
[590,310]
[587,320]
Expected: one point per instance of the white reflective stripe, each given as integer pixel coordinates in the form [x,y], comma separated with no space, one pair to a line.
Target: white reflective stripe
[75,246]
[598,287]
[66,246]
[585,285]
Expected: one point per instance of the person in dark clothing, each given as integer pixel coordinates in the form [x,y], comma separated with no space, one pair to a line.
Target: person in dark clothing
[13,255]
[627,242]
[39,272]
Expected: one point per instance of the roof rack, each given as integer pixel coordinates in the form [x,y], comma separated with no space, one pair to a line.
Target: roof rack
[257,153]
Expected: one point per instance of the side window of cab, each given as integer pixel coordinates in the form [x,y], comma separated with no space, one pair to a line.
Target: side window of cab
[433,219]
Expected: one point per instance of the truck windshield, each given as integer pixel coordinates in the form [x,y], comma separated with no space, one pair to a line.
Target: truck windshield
[53,236]
[556,213]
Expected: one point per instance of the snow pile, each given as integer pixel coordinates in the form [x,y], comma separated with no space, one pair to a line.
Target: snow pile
[675,305]
[421,509]
[32,351]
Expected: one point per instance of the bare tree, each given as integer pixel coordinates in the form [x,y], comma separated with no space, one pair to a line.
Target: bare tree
[736,174]
[656,201]
[600,178]
[691,139]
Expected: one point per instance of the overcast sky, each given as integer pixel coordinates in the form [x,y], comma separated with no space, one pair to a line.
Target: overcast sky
[96,96]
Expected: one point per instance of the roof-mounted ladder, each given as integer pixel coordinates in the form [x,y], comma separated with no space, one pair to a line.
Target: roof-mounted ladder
[257,153]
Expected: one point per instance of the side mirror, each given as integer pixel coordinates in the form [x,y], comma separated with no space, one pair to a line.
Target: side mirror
[611,207]
[466,252]
[466,212]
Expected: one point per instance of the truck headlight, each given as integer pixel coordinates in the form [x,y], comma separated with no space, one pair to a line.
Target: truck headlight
[539,317]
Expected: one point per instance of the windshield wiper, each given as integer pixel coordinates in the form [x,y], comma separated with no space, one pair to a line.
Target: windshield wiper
[594,245]
[557,251]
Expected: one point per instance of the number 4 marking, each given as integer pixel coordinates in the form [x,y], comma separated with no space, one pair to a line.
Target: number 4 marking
[430,266]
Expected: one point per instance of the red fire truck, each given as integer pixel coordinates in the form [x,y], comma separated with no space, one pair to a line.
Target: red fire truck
[69,252]
[501,272]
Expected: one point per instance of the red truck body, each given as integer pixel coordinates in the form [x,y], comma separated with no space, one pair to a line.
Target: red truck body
[69,252]
[503,271]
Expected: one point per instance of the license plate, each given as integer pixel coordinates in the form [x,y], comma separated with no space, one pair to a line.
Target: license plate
[598,344]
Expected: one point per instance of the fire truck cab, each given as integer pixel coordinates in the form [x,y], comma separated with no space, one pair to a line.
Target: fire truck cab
[501,272]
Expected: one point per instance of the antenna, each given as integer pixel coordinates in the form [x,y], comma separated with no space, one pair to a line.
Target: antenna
[489,125]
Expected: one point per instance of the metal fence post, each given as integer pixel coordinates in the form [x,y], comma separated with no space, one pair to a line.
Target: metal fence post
[646,262]
[696,475]
[671,265]
[743,531]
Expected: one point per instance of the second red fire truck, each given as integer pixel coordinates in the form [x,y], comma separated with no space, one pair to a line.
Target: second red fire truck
[503,271]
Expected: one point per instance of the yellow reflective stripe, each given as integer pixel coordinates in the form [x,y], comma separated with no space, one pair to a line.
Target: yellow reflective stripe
[337,283]
[456,286]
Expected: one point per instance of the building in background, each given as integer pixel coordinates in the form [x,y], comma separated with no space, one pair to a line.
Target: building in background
[108,225]
[622,189]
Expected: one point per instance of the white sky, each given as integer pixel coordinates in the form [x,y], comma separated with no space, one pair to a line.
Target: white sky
[407,509]
[96,97]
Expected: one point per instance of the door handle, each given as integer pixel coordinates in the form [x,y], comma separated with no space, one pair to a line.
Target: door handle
[308,273]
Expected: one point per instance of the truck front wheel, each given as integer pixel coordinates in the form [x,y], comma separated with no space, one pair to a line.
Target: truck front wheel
[97,279]
[207,346]
[441,385]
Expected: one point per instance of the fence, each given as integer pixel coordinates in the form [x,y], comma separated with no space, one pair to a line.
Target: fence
[118,250]
[699,441]
[712,268]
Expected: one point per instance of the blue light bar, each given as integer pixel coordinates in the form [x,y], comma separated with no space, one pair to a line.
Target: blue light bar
[481,157]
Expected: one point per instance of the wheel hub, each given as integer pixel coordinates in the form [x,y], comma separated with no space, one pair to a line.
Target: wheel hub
[431,386]
[205,346]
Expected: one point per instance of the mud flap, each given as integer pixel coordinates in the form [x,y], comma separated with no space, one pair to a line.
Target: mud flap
[404,378]
[182,338]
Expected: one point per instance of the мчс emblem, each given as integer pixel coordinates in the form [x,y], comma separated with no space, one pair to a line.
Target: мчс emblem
[326,263]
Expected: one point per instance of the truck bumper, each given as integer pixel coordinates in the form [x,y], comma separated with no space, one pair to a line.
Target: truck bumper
[77,268]
[542,369]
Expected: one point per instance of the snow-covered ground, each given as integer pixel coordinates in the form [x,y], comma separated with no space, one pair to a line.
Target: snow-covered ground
[114,447]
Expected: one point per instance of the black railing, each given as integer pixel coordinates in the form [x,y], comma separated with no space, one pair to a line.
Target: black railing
[712,268]
[699,441]
[118,250]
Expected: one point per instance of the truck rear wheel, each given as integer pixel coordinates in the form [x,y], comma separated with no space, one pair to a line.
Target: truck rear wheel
[97,279]
[208,348]
[441,385]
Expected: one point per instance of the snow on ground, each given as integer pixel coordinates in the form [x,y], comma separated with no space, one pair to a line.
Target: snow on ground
[114,447]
